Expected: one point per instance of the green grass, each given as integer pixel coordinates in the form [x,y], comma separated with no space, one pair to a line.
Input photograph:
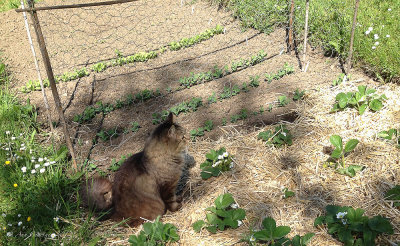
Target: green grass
[40,196]
[6,5]
[330,26]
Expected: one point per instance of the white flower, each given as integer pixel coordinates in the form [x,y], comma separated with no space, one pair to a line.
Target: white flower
[47,164]
[7,148]
[220,157]
[33,171]
[3,214]
[234,206]
[36,166]
[22,148]
[370,28]
[19,215]
[376,36]
[225,154]
[7,132]
[42,170]
[30,151]
[23,169]
[367,32]
[56,219]
[373,47]
[240,223]
[344,221]
[376,43]
[388,36]
[284,134]
[40,159]
[9,234]
[389,9]
[341,215]
[53,235]
[252,238]
[9,224]
[19,223]
[216,164]
[231,165]
[32,160]
[52,162]
[12,138]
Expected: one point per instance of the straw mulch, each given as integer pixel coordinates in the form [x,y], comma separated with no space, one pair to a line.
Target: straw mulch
[261,172]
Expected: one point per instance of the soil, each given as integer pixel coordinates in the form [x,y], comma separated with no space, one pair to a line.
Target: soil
[79,37]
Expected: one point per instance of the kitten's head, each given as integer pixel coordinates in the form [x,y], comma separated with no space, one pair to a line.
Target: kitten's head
[170,134]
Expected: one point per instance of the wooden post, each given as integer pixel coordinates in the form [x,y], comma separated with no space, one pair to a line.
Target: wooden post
[306,31]
[46,103]
[353,29]
[50,76]
[290,34]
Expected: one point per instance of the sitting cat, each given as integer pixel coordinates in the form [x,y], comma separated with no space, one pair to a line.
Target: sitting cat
[145,184]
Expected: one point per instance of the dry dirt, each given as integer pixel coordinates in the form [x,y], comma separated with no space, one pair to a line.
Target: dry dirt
[80,37]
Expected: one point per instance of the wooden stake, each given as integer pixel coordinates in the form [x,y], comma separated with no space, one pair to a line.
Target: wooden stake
[353,29]
[50,75]
[306,31]
[290,34]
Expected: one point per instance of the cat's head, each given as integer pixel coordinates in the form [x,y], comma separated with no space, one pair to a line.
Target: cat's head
[171,134]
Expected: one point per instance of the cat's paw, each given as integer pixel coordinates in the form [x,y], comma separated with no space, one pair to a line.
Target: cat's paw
[174,206]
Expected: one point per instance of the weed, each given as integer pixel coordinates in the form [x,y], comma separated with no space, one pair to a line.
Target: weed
[391,134]
[135,126]
[281,136]
[225,214]
[105,135]
[394,195]
[349,225]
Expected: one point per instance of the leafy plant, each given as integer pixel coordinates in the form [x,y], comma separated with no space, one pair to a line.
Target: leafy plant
[212,99]
[208,126]
[394,195]
[298,95]
[339,153]
[254,81]
[108,134]
[217,161]
[351,227]
[361,100]
[159,117]
[243,115]
[283,101]
[135,126]
[281,136]
[341,78]
[99,67]
[286,70]
[287,193]
[228,92]
[116,164]
[276,235]
[187,42]
[155,234]
[225,214]
[390,134]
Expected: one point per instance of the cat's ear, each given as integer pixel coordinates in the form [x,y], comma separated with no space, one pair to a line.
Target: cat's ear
[170,118]
[172,131]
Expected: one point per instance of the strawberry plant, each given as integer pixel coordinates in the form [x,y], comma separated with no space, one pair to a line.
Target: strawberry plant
[391,134]
[217,161]
[286,70]
[243,115]
[254,81]
[105,135]
[99,67]
[341,78]
[159,117]
[281,136]
[276,235]
[349,225]
[338,154]
[116,164]
[155,234]
[361,100]
[187,42]
[287,193]
[225,214]
[135,126]
[212,99]
[208,126]
[228,92]
[394,195]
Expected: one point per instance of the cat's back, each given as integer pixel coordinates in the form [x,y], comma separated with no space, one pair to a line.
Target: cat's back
[131,168]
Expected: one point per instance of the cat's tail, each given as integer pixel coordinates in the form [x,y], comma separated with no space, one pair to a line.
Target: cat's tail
[96,193]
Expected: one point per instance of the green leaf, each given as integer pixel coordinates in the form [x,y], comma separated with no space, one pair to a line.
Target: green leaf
[263,235]
[336,141]
[224,201]
[350,145]
[344,234]
[198,225]
[380,224]
[336,153]
[288,193]
[334,228]
[307,238]
[212,218]
[355,215]
[148,228]
[362,108]
[270,226]
[362,89]
[319,221]
[212,229]
[238,214]
[281,231]
[296,241]
[375,105]
[206,175]
[370,91]
[94,241]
